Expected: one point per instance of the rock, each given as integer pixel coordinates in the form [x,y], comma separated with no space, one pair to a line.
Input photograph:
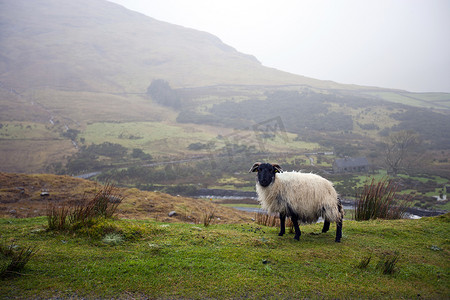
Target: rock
[114,199]
[172,213]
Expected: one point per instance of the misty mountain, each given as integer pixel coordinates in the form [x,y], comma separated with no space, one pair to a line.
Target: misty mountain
[76,73]
[95,45]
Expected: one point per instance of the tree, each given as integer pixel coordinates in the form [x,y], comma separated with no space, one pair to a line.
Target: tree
[400,150]
[162,93]
[138,153]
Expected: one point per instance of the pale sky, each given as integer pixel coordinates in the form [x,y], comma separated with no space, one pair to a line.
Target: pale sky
[403,44]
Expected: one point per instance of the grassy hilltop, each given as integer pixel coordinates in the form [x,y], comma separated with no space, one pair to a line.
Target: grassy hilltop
[203,251]
[160,260]
[74,99]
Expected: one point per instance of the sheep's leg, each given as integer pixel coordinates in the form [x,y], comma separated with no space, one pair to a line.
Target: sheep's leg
[298,233]
[282,224]
[338,231]
[294,219]
[326,226]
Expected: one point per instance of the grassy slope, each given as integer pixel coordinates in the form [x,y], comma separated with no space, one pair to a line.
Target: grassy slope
[100,46]
[69,190]
[234,261]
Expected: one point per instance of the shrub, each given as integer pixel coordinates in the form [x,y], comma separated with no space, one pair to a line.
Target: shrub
[13,259]
[380,200]
[365,261]
[208,214]
[56,217]
[388,263]
[272,221]
[103,205]
[162,93]
[266,219]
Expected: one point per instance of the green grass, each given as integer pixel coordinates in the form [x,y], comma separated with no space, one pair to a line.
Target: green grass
[158,138]
[379,174]
[152,137]
[437,179]
[29,130]
[234,261]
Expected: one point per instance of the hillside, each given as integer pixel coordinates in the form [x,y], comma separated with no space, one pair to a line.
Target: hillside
[20,197]
[95,45]
[74,78]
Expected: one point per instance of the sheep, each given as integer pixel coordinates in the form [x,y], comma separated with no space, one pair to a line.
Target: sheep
[300,196]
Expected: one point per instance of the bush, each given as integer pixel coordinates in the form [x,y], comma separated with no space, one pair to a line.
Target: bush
[380,200]
[388,263]
[103,205]
[56,217]
[266,219]
[208,214]
[272,221]
[162,93]
[13,259]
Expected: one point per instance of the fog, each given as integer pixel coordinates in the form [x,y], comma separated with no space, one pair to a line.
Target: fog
[401,44]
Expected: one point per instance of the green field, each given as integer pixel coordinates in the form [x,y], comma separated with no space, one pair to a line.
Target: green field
[162,139]
[158,260]
[28,131]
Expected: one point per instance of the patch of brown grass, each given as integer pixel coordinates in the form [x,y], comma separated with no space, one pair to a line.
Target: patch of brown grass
[20,197]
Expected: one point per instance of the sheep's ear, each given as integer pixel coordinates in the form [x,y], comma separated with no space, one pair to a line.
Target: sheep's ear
[254,168]
[278,169]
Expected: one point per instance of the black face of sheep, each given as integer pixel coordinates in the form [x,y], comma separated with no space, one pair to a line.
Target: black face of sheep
[266,172]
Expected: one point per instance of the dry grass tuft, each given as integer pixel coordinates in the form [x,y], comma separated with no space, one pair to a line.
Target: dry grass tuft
[380,200]
[103,205]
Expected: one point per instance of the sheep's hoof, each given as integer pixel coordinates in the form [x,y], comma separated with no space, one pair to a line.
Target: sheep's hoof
[337,241]
[297,238]
[281,234]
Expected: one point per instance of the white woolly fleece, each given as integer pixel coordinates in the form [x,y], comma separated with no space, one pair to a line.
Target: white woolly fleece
[309,195]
